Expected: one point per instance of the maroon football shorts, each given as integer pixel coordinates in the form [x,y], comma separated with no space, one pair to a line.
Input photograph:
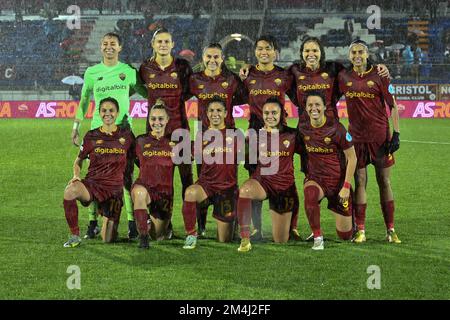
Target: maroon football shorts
[224,202]
[331,189]
[373,153]
[161,203]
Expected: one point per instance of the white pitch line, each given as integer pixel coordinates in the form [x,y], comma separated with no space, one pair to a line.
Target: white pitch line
[425,142]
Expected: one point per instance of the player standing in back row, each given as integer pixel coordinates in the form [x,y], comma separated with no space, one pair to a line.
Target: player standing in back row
[367,95]
[110,78]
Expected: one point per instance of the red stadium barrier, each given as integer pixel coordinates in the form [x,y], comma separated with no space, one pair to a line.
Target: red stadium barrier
[138,109]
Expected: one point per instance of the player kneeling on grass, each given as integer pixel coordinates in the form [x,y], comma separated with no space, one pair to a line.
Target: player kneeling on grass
[153,189]
[217,183]
[273,177]
[330,165]
[107,148]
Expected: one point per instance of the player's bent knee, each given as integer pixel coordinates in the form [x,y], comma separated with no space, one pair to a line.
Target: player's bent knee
[191,193]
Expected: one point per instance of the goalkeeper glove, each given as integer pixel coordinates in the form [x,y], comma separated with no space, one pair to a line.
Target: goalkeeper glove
[394,145]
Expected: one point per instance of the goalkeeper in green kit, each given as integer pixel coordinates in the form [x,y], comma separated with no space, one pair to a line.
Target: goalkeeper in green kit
[110,78]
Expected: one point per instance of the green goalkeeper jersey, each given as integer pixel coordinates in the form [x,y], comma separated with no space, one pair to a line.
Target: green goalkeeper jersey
[119,82]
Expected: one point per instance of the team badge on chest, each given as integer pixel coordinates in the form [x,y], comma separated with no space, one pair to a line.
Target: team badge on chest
[286,143]
[327,140]
[277,81]
[174,75]
[349,84]
[370,83]
[225,85]
[122,76]
[122,141]
[324,76]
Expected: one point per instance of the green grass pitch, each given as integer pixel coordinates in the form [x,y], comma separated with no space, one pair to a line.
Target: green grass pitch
[36,164]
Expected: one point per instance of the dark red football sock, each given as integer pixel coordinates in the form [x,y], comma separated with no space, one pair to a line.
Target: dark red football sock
[141,217]
[190,217]
[244,212]
[360,215]
[388,213]
[345,235]
[71,212]
[312,209]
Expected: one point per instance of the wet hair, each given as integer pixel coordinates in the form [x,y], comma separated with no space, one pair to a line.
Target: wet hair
[315,93]
[159,31]
[159,105]
[275,100]
[109,99]
[359,41]
[213,45]
[113,35]
[217,99]
[270,40]
[321,48]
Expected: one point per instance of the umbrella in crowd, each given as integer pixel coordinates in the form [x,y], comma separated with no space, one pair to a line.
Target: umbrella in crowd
[72,80]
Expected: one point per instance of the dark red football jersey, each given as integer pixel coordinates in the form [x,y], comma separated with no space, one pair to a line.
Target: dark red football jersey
[288,144]
[227,86]
[172,86]
[107,156]
[324,79]
[324,148]
[155,163]
[366,96]
[262,85]
[222,174]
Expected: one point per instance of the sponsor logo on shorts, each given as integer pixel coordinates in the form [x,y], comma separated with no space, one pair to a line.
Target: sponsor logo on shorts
[109,150]
[225,85]
[164,85]
[324,75]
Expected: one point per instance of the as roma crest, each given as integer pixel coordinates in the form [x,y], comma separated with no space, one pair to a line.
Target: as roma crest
[174,75]
[324,75]
[349,84]
[225,85]
[122,76]
[122,141]
[286,143]
[370,83]
[327,140]
[277,81]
